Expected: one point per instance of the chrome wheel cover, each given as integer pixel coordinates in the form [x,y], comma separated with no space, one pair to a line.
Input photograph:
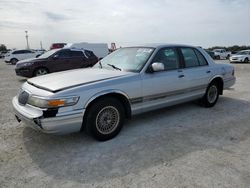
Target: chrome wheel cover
[41,72]
[107,120]
[212,94]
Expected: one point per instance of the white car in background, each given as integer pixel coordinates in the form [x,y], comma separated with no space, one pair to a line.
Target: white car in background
[241,56]
[16,55]
[221,54]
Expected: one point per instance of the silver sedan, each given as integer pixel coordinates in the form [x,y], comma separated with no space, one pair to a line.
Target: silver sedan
[127,82]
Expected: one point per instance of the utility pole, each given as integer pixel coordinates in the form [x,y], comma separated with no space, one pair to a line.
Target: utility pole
[41,45]
[27,39]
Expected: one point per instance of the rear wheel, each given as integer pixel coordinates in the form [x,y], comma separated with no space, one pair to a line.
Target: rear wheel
[13,61]
[211,96]
[104,118]
[246,60]
[40,71]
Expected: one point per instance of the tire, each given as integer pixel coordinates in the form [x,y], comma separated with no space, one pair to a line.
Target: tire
[105,118]
[211,96]
[218,57]
[13,61]
[40,71]
[228,56]
[246,60]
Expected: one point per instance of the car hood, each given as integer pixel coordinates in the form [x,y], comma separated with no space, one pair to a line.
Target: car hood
[67,79]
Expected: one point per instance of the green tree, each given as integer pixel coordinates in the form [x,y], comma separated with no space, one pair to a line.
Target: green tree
[3,47]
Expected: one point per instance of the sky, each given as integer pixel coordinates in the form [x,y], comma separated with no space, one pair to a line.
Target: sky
[196,22]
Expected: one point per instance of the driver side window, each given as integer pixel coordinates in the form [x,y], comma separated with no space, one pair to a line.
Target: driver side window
[63,54]
[168,57]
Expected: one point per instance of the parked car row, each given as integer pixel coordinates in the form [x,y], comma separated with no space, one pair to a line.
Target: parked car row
[129,81]
[54,61]
[72,56]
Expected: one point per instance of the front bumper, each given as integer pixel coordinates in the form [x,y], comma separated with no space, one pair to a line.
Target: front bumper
[235,60]
[61,124]
[24,72]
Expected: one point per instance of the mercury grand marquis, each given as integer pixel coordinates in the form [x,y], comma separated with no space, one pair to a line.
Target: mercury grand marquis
[129,81]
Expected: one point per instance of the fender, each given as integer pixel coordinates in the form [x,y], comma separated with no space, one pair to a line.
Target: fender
[105,92]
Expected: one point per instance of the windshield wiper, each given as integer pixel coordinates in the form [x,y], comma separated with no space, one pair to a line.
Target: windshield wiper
[114,67]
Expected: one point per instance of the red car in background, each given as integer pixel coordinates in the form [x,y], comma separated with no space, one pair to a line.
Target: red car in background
[57,45]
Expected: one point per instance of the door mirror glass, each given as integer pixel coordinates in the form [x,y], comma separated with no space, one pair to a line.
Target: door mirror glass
[157,66]
[55,56]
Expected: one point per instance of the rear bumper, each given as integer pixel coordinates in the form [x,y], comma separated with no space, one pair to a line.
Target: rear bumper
[61,124]
[229,82]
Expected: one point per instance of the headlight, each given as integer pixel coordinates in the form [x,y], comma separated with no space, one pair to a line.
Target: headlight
[27,64]
[52,103]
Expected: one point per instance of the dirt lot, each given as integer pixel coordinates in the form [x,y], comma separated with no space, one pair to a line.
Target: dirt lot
[181,146]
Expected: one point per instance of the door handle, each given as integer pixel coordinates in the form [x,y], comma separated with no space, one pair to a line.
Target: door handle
[181,76]
[208,72]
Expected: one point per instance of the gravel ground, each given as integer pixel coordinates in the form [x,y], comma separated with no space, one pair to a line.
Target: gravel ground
[181,146]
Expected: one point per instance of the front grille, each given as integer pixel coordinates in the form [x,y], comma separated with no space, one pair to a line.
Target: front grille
[23,97]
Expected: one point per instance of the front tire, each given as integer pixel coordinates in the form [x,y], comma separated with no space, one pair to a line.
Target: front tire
[104,118]
[40,72]
[211,96]
[13,61]
[246,60]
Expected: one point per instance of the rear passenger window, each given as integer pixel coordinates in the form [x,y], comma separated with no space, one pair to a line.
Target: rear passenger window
[63,54]
[190,57]
[201,58]
[76,53]
[169,58]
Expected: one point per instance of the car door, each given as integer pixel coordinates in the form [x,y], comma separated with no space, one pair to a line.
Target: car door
[60,61]
[163,88]
[78,60]
[19,54]
[196,71]
[30,54]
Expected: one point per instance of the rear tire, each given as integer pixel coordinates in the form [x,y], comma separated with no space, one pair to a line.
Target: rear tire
[211,96]
[104,118]
[13,61]
[246,60]
[40,72]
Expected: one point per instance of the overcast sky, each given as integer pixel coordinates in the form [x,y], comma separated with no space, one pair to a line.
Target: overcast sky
[197,22]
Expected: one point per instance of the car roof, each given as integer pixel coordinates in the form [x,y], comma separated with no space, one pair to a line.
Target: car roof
[161,45]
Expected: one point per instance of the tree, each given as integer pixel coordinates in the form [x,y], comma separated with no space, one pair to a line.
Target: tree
[3,47]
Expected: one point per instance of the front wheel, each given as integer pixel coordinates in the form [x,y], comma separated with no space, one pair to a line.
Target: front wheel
[104,118]
[13,61]
[211,96]
[40,72]
[246,60]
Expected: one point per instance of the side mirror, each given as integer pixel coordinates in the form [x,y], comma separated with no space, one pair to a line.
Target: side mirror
[55,56]
[157,67]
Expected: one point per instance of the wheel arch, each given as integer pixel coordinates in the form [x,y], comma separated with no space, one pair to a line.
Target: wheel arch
[220,82]
[120,95]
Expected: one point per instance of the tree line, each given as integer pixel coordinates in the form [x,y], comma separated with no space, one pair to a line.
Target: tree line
[234,48]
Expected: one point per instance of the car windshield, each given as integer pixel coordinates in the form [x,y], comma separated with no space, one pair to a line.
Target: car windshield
[126,59]
[242,53]
[49,53]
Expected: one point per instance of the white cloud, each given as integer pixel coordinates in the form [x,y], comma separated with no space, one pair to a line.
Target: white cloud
[205,23]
